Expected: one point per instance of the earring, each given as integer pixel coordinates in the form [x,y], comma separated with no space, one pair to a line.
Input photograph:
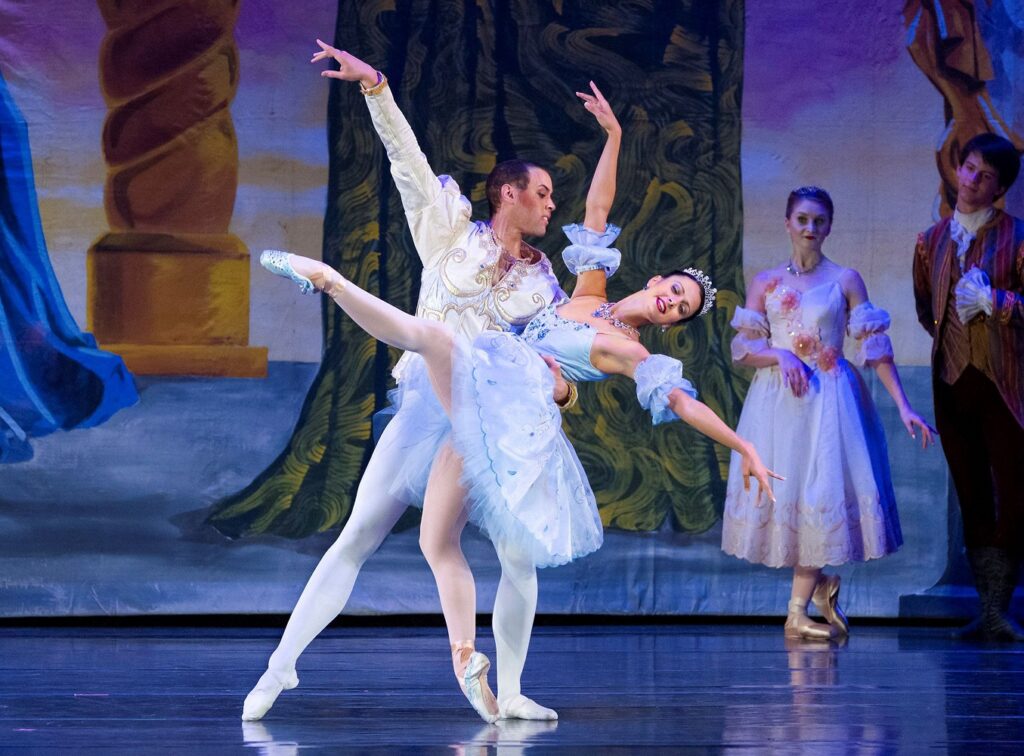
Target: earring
[664,328]
[645,287]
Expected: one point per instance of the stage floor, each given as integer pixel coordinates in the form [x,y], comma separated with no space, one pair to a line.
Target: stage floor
[623,688]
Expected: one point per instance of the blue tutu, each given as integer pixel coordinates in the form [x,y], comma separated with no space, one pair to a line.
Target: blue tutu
[526,486]
[418,429]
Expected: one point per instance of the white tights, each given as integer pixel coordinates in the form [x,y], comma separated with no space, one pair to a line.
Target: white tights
[374,514]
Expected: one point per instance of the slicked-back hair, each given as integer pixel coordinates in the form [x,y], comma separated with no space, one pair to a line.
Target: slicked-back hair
[514,172]
[813,193]
[997,152]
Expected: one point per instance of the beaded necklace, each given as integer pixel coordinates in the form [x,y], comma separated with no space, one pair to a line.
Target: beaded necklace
[605,313]
[791,267]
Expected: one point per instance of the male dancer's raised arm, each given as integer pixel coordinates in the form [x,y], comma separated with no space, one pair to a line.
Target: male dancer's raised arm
[434,205]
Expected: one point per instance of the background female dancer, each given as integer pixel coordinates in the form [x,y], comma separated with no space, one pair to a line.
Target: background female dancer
[809,411]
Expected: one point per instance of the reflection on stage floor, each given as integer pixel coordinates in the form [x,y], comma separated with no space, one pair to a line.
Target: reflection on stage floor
[627,688]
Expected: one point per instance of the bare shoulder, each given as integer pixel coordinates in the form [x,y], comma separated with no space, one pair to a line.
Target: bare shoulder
[764,277]
[853,286]
[761,282]
[852,281]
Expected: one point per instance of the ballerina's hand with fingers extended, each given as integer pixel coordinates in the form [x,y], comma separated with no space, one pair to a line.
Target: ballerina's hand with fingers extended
[598,106]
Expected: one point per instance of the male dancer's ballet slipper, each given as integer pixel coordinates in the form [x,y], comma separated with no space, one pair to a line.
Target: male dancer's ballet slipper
[471,670]
[262,697]
[310,275]
[826,598]
[521,707]
[799,625]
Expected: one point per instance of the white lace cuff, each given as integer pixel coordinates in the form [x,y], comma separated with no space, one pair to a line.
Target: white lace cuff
[743,345]
[751,320]
[877,347]
[655,378]
[753,331]
[866,319]
[591,250]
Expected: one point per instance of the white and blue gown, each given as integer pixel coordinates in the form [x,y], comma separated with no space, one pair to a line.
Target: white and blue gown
[525,484]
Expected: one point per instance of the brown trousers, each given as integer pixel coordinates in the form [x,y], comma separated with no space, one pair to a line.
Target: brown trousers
[984,446]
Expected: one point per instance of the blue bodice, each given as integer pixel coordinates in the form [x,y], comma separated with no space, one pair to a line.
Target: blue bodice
[568,341]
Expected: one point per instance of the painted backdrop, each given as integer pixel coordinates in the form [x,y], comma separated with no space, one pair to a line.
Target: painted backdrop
[218,490]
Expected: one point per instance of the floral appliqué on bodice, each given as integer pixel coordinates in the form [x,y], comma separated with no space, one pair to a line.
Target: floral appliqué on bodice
[811,324]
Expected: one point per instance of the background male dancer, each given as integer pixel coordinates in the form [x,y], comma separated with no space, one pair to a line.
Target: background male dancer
[969,287]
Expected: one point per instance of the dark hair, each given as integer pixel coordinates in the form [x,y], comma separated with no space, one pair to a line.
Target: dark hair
[703,294]
[515,172]
[813,193]
[997,152]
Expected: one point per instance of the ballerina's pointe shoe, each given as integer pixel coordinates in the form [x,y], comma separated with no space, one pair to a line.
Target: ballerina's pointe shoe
[277,262]
[799,625]
[262,697]
[521,707]
[471,671]
[310,275]
[826,598]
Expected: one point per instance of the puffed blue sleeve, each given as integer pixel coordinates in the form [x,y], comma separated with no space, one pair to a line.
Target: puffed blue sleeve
[655,378]
[590,250]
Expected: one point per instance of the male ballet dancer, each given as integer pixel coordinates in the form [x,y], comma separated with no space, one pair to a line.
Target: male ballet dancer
[476,276]
[969,287]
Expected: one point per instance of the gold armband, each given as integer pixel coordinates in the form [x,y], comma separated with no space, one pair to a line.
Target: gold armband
[571,399]
[376,89]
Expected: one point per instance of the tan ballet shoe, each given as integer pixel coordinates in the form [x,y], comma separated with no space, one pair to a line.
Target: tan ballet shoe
[799,625]
[826,598]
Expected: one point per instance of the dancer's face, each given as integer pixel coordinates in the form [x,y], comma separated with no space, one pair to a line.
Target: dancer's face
[666,301]
[532,207]
[808,225]
[977,184]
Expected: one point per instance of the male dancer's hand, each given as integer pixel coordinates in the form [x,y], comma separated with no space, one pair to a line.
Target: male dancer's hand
[350,68]
[561,392]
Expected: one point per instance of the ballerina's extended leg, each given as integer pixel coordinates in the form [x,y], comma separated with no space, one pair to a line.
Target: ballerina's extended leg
[444,519]
[382,321]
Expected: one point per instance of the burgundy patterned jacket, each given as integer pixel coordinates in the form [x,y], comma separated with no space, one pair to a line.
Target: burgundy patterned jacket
[1002,258]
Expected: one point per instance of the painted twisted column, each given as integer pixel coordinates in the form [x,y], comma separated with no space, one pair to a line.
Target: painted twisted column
[944,40]
[169,285]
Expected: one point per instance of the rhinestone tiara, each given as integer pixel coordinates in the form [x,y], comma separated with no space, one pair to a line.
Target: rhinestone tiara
[705,283]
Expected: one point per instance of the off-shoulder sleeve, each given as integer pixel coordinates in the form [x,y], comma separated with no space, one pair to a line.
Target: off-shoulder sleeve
[752,332]
[655,378]
[591,250]
[868,324]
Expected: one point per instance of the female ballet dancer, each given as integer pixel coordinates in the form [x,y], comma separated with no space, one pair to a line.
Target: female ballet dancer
[809,411]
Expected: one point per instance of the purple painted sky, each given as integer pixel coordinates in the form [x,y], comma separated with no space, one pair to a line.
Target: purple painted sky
[799,54]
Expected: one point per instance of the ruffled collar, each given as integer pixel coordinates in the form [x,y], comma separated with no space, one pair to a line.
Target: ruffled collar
[964,228]
[971,222]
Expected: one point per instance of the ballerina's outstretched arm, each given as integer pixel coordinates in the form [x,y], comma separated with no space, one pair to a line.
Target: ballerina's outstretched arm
[593,281]
[662,389]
